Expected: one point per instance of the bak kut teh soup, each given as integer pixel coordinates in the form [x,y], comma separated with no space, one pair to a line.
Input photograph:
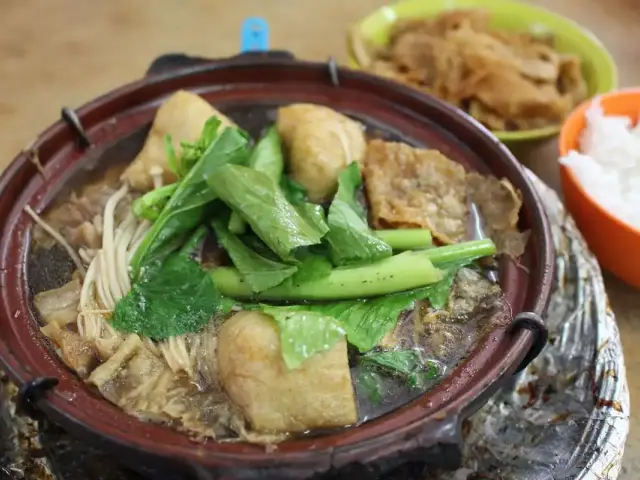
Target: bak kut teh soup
[312,279]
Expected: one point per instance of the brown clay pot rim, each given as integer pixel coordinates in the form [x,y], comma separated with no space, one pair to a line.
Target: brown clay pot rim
[456,395]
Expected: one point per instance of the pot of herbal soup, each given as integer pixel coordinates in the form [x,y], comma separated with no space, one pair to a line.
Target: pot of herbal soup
[268,268]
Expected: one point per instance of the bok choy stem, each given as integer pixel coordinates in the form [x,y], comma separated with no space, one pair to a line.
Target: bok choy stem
[460,252]
[150,205]
[401,272]
[405,239]
[404,271]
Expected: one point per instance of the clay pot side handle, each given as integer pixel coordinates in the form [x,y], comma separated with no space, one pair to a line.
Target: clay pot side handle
[535,325]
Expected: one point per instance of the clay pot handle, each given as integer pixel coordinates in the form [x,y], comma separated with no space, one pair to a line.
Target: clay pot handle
[178,61]
[254,43]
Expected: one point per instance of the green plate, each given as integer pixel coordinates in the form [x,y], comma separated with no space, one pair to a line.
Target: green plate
[598,66]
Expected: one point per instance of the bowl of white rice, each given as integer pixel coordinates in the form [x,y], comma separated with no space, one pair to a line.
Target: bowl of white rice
[600,174]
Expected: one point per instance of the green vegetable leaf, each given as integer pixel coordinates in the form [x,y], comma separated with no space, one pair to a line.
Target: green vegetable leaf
[304,333]
[294,192]
[350,237]
[311,266]
[314,215]
[151,204]
[237,225]
[368,321]
[439,292]
[365,321]
[405,363]
[267,158]
[192,151]
[185,210]
[371,383]
[172,158]
[297,196]
[349,182]
[400,361]
[172,298]
[424,378]
[261,203]
[260,273]
[258,246]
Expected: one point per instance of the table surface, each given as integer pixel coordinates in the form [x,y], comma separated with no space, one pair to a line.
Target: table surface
[66,52]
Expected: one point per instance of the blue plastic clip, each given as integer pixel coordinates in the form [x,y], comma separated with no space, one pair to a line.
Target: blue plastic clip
[254,36]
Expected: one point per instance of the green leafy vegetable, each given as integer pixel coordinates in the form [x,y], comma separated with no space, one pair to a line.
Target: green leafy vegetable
[237,225]
[405,271]
[368,321]
[451,260]
[401,361]
[267,155]
[405,363]
[260,273]
[439,292]
[172,298]
[349,183]
[371,383]
[257,245]
[192,151]
[297,196]
[350,237]
[151,204]
[186,208]
[294,191]
[261,203]
[311,266]
[314,215]
[364,321]
[303,333]
[267,158]
[172,158]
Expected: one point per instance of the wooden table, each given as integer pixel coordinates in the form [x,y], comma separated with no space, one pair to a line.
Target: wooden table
[65,52]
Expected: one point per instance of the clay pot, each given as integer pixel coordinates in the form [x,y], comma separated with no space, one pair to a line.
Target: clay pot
[427,429]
